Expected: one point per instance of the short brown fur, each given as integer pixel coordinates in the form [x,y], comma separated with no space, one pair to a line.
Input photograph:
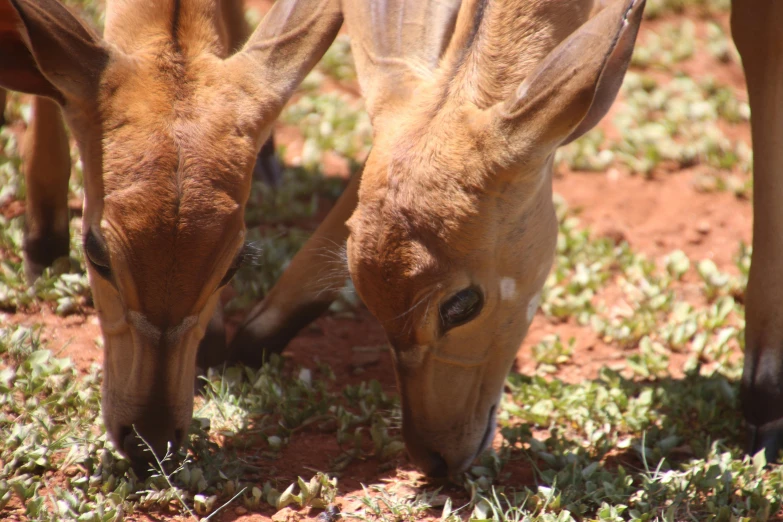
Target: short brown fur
[467,109]
[169,122]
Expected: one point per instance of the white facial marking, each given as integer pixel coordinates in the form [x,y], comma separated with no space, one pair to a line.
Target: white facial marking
[173,335]
[154,334]
[508,289]
[144,327]
[523,88]
[532,306]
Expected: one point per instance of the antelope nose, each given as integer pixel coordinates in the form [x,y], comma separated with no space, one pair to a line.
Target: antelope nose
[431,462]
[435,465]
[143,448]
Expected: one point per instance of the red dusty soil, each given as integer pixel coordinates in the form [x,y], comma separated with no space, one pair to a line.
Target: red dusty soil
[655,216]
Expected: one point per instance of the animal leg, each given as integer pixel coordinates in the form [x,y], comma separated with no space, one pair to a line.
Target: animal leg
[306,289]
[758,33]
[47,167]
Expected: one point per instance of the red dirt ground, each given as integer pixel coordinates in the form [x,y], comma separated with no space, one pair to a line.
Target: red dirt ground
[655,216]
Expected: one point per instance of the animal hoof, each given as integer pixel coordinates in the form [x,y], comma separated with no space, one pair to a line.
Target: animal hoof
[770,440]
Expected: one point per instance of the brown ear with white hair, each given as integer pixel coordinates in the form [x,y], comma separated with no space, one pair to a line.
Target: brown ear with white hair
[572,88]
[286,45]
[47,51]
[396,44]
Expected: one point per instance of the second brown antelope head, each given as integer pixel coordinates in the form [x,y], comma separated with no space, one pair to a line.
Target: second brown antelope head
[168,127]
[455,229]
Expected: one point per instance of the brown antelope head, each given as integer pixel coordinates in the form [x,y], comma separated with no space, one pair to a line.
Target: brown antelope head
[168,128]
[455,230]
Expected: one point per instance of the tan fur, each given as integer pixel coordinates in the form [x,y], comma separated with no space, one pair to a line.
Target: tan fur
[168,123]
[457,190]
[174,127]
[455,193]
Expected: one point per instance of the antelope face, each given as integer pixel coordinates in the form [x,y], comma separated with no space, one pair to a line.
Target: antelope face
[168,128]
[168,236]
[453,268]
[455,229]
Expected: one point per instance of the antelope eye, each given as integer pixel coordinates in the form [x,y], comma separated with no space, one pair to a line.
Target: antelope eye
[461,307]
[239,260]
[229,275]
[97,255]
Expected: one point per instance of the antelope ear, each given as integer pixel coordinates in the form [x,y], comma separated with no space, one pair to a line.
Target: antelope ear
[287,44]
[395,44]
[47,51]
[569,92]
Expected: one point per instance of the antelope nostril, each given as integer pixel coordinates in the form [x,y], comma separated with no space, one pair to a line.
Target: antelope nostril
[438,468]
[124,431]
[132,445]
[138,447]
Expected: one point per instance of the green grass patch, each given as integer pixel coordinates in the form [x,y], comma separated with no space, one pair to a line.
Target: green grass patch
[646,439]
